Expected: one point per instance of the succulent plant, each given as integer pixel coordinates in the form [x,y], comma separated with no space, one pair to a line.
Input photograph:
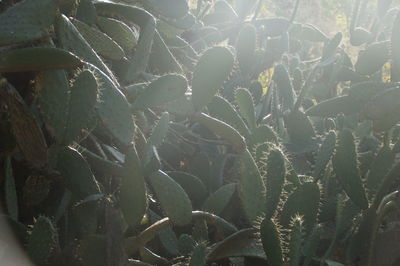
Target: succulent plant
[154,132]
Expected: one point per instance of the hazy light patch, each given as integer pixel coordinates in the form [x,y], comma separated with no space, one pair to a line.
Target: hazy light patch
[10,251]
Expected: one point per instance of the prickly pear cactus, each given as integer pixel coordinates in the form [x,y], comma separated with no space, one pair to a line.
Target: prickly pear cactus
[176,132]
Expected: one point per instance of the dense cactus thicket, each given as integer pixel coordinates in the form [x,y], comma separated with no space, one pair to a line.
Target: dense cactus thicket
[151,132]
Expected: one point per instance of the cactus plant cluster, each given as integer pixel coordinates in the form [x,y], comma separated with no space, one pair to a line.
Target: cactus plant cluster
[139,132]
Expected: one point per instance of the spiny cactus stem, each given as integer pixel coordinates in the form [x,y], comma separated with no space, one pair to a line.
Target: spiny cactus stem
[133,244]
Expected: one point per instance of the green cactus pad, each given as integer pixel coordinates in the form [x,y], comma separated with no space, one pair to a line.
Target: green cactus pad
[223,110]
[113,108]
[274,27]
[312,243]
[99,41]
[147,24]
[333,106]
[217,201]
[198,257]
[312,33]
[365,91]
[223,13]
[245,48]
[222,129]
[126,12]
[295,241]
[182,106]
[133,90]
[172,197]
[245,102]
[330,47]
[387,122]
[303,201]
[200,166]
[262,134]
[84,218]
[26,21]
[251,187]
[284,86]
[372,59]
[359,36]
[345,166]
[36,59]
[149,257]
[276,173]
[186,244]
[161,59]
[175,42]
[162,90]
[200,231]
[42,241]
[167,236]
[272,243]
[93,250]
[86,12]
[206,37]
[384,109]
[83,97]
[159,131]
[53,101]
[324,154]
[212,69]
[297,79]
[78,176]
[71,40]
[366,159]
[360,240]
[383,104]
[151,160]
[299,127]
[133,196]
[380,167]
[244,243]
[194,186]
[345,73]
[261,152]
[345,214]
[127,37]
